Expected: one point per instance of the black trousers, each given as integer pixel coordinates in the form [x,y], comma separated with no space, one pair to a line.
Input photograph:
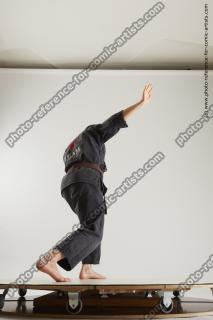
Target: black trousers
[83,244]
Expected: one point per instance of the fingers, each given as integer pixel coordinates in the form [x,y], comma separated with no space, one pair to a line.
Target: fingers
[149,90]
[148,87]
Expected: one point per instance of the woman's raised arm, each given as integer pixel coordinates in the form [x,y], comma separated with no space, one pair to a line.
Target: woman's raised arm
[147,93]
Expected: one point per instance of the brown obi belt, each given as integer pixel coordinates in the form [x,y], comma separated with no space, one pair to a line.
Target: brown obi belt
[86,165]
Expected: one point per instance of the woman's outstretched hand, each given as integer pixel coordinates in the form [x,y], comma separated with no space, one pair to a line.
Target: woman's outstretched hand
[147,93]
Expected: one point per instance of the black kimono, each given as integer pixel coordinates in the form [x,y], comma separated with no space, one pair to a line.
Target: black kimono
[84,190]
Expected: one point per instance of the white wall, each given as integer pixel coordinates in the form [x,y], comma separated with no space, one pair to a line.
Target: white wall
[162,227]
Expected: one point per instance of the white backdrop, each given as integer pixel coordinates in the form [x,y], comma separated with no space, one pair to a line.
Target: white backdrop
[162,227]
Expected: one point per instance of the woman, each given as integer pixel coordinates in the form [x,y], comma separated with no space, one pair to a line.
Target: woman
[84,190]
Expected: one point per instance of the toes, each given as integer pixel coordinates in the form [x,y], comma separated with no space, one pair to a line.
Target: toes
[64,280]
[67,279]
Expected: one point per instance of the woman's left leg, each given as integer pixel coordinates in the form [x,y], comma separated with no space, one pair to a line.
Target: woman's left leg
[94,257]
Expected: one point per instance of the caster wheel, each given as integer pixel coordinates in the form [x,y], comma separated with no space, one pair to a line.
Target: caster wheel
[76,310]
[1,301]
[22,292]
[176,293]
[165,309]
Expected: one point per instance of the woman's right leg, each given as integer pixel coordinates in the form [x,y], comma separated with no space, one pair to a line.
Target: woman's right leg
[48,265]
[86,200]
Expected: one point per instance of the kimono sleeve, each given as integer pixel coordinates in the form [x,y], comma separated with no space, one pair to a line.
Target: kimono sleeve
[107,129]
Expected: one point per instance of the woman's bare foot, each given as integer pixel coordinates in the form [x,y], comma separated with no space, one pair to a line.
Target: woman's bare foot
[48,265]
[88,273]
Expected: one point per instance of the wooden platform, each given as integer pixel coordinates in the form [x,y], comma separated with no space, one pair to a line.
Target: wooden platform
[105,299]
[115,283]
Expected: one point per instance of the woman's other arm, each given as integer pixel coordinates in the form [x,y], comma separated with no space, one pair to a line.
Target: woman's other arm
[147,93]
